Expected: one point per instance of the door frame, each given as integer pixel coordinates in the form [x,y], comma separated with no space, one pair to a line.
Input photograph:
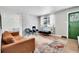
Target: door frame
[69,20]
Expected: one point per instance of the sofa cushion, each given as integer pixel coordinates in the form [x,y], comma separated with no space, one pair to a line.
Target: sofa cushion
[7,38]
[14,33]
[17,38]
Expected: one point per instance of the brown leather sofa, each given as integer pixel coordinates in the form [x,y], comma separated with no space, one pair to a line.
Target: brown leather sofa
[16,44]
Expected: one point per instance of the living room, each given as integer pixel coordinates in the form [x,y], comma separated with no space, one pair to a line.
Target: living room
[43,23]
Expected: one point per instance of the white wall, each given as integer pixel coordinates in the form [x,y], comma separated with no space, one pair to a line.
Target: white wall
[11,22]
[62,21]
[29,21]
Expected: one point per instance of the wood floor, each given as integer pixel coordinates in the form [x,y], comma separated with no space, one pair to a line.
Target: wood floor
[71,46]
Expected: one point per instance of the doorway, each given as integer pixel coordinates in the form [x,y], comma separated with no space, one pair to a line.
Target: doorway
[73,25]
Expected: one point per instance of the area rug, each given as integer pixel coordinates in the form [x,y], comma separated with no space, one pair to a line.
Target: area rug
[53,47]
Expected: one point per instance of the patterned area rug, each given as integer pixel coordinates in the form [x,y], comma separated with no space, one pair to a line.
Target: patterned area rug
[53,47]
[49,45]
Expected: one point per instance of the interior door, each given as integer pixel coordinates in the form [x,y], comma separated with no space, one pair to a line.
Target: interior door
[73,25]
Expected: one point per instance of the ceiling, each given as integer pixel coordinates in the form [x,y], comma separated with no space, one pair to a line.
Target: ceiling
[33,10]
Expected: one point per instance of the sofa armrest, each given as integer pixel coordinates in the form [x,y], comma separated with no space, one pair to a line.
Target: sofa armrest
[23,46]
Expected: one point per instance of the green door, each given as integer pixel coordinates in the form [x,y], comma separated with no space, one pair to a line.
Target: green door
[73,25]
